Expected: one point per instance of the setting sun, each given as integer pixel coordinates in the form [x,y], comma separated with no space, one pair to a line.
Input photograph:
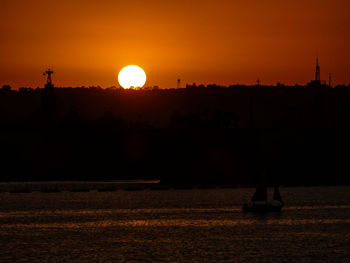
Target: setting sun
[132,77]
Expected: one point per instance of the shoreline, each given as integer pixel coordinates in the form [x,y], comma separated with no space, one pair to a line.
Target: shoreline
[111,186]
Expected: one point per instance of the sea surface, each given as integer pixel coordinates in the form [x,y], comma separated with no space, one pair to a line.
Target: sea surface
[200,225]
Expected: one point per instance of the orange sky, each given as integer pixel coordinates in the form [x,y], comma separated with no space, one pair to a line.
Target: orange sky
[87,42]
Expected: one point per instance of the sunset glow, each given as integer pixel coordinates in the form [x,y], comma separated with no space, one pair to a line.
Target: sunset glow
[223,42]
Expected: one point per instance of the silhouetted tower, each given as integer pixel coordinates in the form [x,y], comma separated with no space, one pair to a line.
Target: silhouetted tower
[48,101]
[178,83]
[48,73]
[318,72]
[330,80]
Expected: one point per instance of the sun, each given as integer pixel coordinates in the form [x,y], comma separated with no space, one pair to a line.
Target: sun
[132,76]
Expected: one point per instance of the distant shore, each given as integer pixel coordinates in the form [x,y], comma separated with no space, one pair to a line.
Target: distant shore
[110,186]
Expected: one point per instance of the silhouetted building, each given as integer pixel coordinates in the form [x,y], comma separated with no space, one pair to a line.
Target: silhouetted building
[6,87]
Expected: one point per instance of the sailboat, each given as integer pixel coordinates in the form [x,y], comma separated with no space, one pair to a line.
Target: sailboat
[260,203]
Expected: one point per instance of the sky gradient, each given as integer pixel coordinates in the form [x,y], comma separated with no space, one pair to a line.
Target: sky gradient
[225,42]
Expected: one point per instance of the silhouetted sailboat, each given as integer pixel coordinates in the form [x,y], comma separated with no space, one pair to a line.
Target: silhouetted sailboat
[277,195]
[260,202]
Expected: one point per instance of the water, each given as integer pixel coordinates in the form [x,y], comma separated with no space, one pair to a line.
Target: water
[174,226]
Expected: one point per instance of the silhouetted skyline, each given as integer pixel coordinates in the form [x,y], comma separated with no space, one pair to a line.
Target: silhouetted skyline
[189,135]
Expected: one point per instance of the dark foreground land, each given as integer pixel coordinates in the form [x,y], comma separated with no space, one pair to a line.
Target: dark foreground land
[291,136]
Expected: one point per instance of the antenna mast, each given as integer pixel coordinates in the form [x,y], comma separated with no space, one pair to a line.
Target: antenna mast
[318,72]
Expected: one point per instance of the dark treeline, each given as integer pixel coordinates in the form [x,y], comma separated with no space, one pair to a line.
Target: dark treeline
[197,135]
[258,107]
